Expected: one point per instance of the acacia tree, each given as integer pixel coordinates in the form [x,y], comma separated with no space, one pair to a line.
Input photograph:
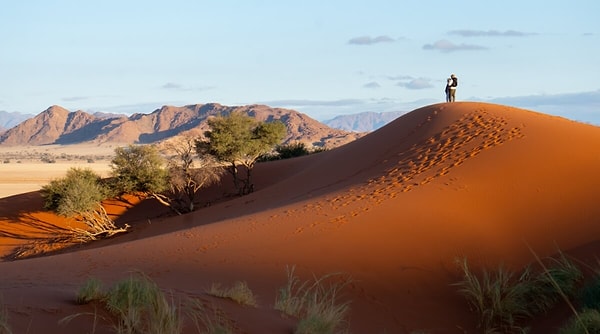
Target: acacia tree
[188,175]
[239,140]
[140,169]
[79,194]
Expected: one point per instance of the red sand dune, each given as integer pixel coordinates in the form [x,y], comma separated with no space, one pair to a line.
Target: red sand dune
[392,209]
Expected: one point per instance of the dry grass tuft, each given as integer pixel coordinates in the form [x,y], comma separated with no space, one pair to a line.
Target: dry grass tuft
[315,302]
[209,320]
[137,304]
[239,292]
[503,301]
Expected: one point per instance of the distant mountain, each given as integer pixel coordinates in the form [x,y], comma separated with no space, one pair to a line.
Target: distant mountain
[363,122]
[57,125]
[10,119]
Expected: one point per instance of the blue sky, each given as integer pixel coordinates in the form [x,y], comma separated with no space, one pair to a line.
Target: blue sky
[323,58]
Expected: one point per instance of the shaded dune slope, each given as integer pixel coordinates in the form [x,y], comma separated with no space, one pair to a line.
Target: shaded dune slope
[392,209]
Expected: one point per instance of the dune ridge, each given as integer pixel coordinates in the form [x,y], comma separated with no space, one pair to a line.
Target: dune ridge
[392,209]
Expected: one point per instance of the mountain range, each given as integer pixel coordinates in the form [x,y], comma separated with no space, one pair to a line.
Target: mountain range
[364,121]
[57,125]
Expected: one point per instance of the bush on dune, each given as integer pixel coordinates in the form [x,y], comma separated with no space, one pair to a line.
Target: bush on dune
[79,194]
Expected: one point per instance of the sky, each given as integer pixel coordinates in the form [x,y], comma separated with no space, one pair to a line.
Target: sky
[324,58]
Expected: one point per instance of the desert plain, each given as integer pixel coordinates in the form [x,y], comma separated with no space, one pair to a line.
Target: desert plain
[393,210]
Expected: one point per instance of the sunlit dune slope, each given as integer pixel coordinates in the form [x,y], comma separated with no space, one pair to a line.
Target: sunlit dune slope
[392,209]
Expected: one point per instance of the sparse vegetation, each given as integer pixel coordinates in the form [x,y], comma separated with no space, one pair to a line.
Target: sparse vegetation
[90,291]
[185,178]
[138,305]
[79,194]
[239,140]
[315,302]
[558,280]
[503,301]
[585,322]
[209,320]
[239,292]
[290,151]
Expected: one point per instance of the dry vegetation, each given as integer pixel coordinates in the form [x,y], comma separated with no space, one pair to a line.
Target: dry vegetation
[138,305]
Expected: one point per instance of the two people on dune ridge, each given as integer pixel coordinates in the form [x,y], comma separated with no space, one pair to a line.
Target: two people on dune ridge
[451,84]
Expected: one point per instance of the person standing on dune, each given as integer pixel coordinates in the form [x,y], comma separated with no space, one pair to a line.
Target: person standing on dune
[448,85]
[453,88]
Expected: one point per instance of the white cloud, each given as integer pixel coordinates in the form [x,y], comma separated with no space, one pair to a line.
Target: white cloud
[419,83]
[447,46]
[372,84]
[493,33]
[171,85]
[368,40]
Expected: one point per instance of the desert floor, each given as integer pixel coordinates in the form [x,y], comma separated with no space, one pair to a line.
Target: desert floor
[393,211]
[22,169]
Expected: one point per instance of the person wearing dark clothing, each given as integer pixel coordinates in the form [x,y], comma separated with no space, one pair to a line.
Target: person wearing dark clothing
[453,85]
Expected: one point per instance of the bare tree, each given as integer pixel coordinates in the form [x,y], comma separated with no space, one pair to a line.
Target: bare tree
[189,173]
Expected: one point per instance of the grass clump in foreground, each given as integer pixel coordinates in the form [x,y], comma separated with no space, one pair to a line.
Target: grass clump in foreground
[137,303]
[239,292]
[503,300]
[586,322]
[209,320]
[315,302]
[90,291]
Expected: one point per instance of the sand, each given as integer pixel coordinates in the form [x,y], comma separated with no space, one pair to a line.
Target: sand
[22,169]
[393,210]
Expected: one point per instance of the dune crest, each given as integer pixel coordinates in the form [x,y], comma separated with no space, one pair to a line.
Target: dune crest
[392,209]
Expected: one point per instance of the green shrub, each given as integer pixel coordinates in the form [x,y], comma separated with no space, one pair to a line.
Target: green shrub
[79,191]
[292,150]
[139,169]
[239,292]
[586,322]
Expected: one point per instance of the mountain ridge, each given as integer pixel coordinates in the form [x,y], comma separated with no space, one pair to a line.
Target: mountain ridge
[57,125]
